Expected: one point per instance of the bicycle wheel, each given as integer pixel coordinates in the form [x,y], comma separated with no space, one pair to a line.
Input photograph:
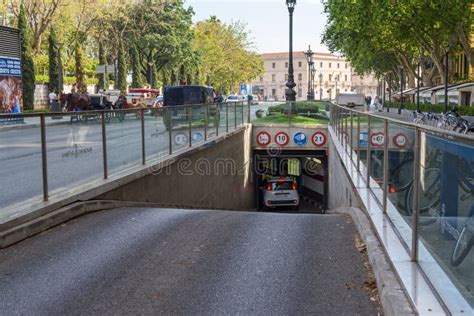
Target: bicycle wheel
[428,196]
[463,244]
[402,175]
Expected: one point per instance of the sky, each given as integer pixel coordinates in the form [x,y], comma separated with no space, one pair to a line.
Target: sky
[267,21]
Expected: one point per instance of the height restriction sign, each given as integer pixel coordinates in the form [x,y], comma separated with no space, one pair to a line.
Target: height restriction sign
[263,138]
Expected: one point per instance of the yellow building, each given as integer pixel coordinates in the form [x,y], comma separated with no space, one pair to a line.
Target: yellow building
[462,68]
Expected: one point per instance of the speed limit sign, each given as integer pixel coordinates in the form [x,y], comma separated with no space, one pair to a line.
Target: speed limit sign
[400,140]
[263,138]
[319,139]
[282,139]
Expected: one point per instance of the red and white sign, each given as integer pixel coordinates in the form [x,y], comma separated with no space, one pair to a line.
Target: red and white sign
[400,140]
[263,138]
[282,139]
[377,139]
[319,139]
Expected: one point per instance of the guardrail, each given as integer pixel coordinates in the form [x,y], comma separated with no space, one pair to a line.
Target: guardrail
[423,178]
[60,151]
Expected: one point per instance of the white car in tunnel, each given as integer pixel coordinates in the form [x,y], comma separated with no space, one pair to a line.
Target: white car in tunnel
[281,192]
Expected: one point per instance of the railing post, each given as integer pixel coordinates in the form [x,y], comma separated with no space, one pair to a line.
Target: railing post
[206,122]
[249,106]
[358,142]
[235,115]
[242,108]
[44,158]
[416,190]
[190,125]
[385,166]
[227,117]
[351,144]
[368,150]
[142,112]
[218,118]
[346,134]
[170,129]
[104,145]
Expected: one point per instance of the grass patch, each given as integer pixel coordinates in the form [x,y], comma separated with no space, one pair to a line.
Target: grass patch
[281,119]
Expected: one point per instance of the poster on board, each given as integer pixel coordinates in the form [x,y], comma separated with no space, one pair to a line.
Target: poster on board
[10,85]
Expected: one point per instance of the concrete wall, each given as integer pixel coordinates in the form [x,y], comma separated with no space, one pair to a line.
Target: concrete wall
[217,177]
[341,191]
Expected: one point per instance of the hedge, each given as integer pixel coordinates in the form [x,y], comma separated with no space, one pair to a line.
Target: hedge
[44,79]
[435,108]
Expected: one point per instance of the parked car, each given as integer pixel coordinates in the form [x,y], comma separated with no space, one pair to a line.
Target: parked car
[281,192]
[233,98]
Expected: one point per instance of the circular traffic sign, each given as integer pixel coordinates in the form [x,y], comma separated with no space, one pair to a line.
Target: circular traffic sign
[282,139]
[198,136]
[263,138]
[300,139]
[318,139]
[400,140]
[377,139]
[180,139]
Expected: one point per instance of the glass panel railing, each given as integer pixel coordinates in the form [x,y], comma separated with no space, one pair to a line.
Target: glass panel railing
[74,151]
[446,208]
[198,123]
[179,125]
[363,138]
[212,121]
[20,161]
[156,133]
[124,140]
[377,143]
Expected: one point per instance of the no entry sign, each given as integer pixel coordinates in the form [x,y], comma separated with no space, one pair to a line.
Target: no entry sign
[400,140]
[263,138]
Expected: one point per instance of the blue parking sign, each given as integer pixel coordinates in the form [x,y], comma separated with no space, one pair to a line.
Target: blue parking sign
[300,139]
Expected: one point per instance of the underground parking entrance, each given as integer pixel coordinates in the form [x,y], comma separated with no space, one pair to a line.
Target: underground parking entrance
[290,180]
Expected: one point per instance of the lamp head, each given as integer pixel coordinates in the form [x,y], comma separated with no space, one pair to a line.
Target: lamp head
[290,4]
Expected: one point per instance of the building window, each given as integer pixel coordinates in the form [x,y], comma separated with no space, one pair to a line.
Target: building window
[337,65]
[286,65]
[261,79]
[273,78]
[300,92]
[330,77]
[346,65]
[273,65]
[274,92]
[321,64]
[345,77]
[300,64]
[300,77]
[286,77]
[329,65]
[322,77]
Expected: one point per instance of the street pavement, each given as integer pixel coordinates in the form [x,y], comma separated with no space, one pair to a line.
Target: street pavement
[187,262]
[74,152]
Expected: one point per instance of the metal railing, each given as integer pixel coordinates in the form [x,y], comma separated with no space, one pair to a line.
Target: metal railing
[68,149]
[423,178]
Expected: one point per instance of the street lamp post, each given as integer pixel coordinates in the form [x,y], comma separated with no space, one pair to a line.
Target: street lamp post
[446,78]
[309,58]
[336,79]
[320,87]
[290,92]
[402,75]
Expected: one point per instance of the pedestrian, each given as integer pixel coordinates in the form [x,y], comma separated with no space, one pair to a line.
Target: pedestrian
[52,97]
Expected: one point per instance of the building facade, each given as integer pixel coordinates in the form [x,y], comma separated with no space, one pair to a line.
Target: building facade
[332,72]
[366,84]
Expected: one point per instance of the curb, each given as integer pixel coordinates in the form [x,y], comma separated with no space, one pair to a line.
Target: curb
[392,294]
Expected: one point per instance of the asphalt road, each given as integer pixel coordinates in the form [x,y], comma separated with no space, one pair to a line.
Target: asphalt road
[187,262]
[74,152]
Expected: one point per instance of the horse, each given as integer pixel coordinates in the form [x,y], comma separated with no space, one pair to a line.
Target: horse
[75,102]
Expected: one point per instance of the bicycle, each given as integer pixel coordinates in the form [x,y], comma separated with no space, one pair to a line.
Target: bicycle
[464,242]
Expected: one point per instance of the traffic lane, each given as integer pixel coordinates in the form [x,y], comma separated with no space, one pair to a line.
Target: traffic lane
[148,261]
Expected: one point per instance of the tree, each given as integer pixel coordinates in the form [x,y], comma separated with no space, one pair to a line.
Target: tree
[80,83]
[27,65]
[103,83]
[225,54]
[53,61]
[39,15]
[121,70]
[137,75]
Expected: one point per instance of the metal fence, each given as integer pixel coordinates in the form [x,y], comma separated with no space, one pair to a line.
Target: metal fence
[53,153]
[423,178]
